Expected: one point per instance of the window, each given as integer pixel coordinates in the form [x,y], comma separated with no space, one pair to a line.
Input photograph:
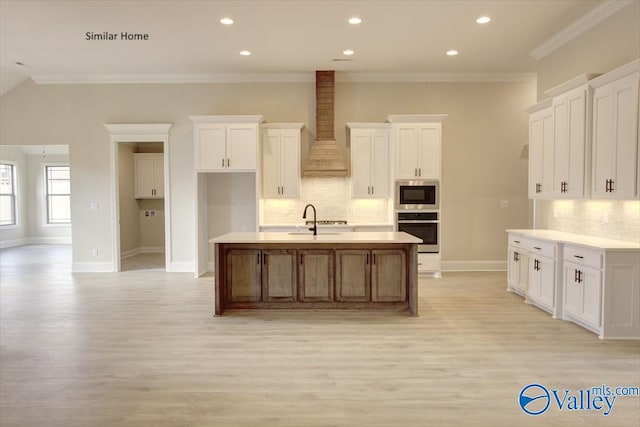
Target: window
[58,185]
[7,194]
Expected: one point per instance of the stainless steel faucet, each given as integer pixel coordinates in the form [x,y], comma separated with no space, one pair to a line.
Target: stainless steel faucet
[315,225]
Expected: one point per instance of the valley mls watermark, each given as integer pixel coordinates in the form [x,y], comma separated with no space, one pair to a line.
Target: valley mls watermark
[536,399]
[123,35]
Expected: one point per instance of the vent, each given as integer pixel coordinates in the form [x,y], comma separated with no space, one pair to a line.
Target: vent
[325,157]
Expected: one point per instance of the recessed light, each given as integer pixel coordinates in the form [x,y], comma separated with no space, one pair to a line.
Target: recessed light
[226,21]
[348,52]
[355,20]
[245,53]
[452,52]
[483,20]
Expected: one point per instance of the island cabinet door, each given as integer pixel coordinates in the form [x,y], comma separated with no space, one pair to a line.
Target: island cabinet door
[315,275]
[279,279]
[353,275]
[389,275]
[244,267]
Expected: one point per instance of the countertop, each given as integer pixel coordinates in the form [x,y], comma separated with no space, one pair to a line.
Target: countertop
[304,226]
[579,239]
[307,237]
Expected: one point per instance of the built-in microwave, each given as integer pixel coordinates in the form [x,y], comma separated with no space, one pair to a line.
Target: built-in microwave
[417,195]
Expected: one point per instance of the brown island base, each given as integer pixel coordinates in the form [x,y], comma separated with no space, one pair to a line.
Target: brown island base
[355,270]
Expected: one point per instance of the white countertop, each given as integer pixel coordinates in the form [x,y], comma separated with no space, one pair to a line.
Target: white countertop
[302,225]
[579,239]
[307,237]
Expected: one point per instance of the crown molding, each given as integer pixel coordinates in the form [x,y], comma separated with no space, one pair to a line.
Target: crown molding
[539,106]
[579,26]
[277,78]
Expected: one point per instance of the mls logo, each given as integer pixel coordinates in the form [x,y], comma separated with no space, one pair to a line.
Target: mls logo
[534,399]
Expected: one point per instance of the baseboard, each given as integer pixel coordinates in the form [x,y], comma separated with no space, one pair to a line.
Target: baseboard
[152,249]
[181,267]
[12,243]
[474,265]
[92,267]
[130,253]
[35,241]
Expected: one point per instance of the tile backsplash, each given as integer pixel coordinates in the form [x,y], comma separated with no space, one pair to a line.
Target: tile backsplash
[615,219]
[332,199]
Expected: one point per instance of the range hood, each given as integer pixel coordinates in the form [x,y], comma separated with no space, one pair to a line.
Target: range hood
[325,157]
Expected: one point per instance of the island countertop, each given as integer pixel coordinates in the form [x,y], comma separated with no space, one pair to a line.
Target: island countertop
[322,237]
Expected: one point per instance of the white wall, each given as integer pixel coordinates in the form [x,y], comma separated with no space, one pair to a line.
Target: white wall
[483,139]
[32,227]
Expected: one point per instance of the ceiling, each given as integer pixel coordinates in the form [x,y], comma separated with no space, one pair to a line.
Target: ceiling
[288,40]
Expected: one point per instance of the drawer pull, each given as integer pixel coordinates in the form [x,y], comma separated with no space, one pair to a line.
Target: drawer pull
[516,241]
[578,256]
[535,247]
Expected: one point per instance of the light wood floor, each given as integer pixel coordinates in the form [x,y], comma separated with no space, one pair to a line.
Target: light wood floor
[142,349]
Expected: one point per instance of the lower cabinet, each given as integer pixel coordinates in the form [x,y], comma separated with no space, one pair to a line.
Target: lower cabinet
[517,268]
[389,276]
[353,275]
[315,275]
[244,275]
[542,282]
[583,294]
[261,275]
[377,275]
[279,278]
[596,287]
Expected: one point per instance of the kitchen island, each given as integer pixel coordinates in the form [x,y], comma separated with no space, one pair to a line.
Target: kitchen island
[356,270]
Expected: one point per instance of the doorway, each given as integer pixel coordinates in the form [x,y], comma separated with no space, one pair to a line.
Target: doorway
[141,204]
[141,196]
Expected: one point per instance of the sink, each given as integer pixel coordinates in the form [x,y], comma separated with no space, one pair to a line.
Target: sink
[309,233]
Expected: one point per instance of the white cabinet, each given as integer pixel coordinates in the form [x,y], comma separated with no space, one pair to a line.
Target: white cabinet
[541,147]
[582,294]
[149,176]
[593,282]
[533,272]
[615,133]
[517,266]
[602,291]
[542,282]
[226,143]
[369,160]
[281,160]
[571,107]
[418,145]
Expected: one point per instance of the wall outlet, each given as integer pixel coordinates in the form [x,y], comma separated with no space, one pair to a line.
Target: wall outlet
[94,206]
[504,204]
[94,252]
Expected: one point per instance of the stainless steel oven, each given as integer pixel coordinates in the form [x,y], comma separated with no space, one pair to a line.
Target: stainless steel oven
[417,195]
[424,225]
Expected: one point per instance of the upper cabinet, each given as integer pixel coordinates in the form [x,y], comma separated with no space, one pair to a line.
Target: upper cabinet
[615,133]
[418,142]
[281,160]
[370,154]
[149,176]
[540,149]
[226,143]
[570,137]
[583,140]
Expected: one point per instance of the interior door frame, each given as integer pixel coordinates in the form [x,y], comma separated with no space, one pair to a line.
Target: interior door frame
[141,132]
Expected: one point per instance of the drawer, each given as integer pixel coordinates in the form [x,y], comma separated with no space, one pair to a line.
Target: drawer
[542,248]
[518,241]
[588,257]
